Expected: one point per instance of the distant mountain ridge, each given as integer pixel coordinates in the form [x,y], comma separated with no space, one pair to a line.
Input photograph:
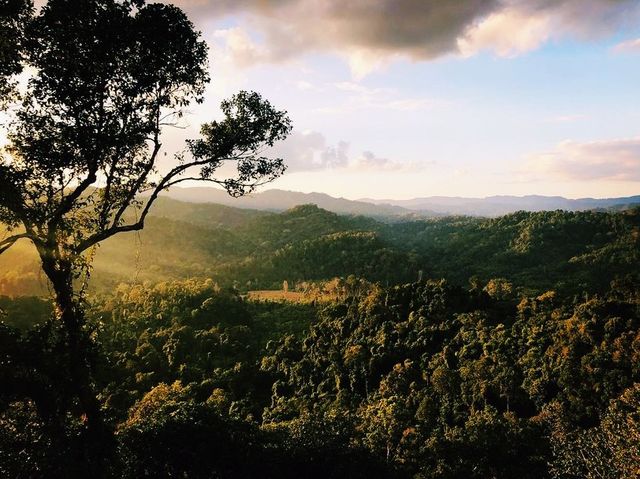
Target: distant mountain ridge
[281,200]
[501,205]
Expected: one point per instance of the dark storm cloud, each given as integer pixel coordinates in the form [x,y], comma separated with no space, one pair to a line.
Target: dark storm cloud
[423,29]
[419,29]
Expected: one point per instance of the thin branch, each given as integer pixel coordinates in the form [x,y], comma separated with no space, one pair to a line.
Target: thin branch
[137,185]
[11,240]
[143,177]
[219,182]
[67,203]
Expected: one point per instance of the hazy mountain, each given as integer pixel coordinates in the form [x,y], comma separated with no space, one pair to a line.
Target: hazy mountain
[281,200]
[501,205]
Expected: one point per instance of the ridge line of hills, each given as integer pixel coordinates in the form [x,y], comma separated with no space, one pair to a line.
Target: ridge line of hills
[253,249]
[492,206]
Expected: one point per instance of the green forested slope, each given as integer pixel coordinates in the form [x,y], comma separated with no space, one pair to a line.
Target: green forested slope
[568,251]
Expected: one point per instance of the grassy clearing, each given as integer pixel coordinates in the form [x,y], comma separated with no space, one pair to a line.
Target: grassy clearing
[267,295]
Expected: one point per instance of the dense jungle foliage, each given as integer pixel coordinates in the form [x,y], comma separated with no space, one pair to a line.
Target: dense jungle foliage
[570,252]
[523,362]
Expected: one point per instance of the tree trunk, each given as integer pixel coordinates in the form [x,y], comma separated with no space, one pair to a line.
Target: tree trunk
[98,442]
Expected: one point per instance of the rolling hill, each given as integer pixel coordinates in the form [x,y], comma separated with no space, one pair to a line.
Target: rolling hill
[258,250]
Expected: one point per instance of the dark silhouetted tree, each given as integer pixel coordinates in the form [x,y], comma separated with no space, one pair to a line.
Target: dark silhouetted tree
[104,80]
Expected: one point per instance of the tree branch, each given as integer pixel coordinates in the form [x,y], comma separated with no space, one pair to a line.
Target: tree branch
[145,174]
[67,202]
[11,240]
[250,126]
[165,183]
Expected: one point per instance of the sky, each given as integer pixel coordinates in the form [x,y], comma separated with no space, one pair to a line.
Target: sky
[412,98]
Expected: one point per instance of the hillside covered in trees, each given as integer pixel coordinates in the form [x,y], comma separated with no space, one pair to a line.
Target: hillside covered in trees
[246,249]
[425,380]
[446,348]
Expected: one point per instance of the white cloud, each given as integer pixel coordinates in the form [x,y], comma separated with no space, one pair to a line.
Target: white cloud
[305,85]
[241,47]
[630,46]
[461,172]
[363,62]
[522,25]
[310,151]
[507,33]
[617,160]
[369,161]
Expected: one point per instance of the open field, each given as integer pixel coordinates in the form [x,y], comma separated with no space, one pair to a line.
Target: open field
[269,295]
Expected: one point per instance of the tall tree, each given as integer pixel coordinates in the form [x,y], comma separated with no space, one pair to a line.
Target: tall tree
[105,78]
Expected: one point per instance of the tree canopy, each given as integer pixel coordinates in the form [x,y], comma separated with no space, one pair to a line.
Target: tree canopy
[89,87]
